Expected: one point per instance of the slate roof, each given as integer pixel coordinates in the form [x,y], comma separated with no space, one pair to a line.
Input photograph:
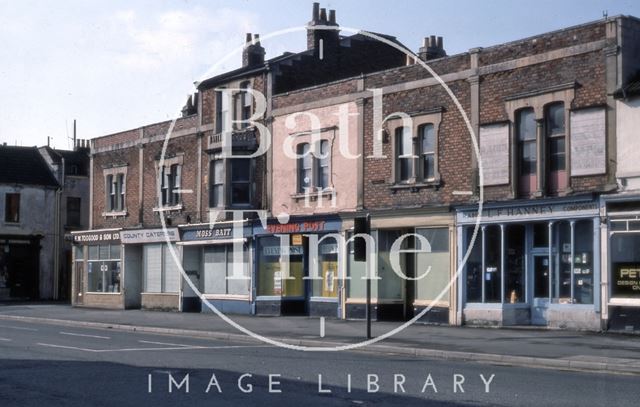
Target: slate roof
[24,165]
[78,158]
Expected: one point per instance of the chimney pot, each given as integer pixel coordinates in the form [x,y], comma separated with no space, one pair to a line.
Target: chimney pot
[425,42]
[332,16]
[315,15]
[323,14]
[247,38]
[432,41]
[256,39]
[439,45]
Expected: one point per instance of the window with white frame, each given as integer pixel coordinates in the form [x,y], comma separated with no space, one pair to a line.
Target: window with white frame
[416,157]
[216,191]
[314,168]
[222,111]
[170,184]
[115,191]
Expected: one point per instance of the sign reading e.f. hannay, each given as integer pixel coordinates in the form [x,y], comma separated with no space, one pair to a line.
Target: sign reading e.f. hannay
[96,237]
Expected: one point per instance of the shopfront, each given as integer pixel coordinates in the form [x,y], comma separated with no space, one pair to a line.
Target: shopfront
[98,274]
[218,264]
[621,293]
[531,263]
[422,275]
[307,251]
[153,275]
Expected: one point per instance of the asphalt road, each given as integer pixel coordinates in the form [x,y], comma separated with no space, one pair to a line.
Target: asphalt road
[49,365]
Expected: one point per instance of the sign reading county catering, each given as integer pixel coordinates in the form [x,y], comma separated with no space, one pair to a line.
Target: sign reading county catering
[96,237]
[494,151]
[528,212]
[626,280]
[588,154]
[149,235]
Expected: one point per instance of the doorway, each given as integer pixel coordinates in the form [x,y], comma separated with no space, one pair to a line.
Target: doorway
[540,303]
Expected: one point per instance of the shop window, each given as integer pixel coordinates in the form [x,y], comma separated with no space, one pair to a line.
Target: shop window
[327,286]
[357,271]
[431,286]
[625,265]
[562,279]
[171,178]
[492,264]
[541,234]
[555,138]
[392,285]
[240,181]
[161,271]
[272,265]
[583,282]
[514,273]
[218,265]
[115,187]
[527,151]
[74,211]
[216,191]
[12,208]
[474,266]
[103,269]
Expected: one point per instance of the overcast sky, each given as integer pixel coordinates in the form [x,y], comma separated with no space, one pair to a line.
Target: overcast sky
[116,65]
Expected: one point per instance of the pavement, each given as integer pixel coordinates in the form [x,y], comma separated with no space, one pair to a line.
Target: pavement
[522,347]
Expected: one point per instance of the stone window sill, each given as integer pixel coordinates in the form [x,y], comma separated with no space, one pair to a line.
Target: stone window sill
[173,208]
[415,186]
[115,214]
[313,196]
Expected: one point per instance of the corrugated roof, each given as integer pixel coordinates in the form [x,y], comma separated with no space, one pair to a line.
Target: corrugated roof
[24,165]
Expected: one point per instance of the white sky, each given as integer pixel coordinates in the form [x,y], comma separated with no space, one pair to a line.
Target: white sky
[116,65]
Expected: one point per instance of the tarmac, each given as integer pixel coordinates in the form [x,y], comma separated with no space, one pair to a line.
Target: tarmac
[523,346]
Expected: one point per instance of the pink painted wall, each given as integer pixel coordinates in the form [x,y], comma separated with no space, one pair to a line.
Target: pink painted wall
[344,170]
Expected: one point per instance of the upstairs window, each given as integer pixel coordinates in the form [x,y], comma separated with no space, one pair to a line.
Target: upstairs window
[527,150]
[222,112]
[74,211]
[427,152]
[555,138]
[322,165]
[246,104]
[115,192]
[171,177]
[404,161]
[240,181]
[305,165]
[12,208]
[216,193]
[314,169]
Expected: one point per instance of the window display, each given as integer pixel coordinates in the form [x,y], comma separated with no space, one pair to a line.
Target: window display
[103,269]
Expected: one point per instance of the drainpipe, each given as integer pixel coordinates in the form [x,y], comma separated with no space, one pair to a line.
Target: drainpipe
[58,237]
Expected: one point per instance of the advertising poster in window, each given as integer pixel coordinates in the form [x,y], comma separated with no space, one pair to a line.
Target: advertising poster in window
[626,280]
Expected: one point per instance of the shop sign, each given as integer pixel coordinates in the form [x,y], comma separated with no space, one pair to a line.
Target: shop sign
[216,233]
[588,141]
[297,227]
[531,212]
[149,235]
[96,237]
[626,280]
[282,250]
[494,150]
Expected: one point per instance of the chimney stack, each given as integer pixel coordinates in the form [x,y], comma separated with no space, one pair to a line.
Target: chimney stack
[432,48]
[253,53]
[330,37]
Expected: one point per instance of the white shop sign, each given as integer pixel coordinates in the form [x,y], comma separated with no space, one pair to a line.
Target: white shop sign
[149,235]
[530,212]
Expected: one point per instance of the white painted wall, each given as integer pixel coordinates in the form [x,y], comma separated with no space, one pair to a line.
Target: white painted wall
[628,141]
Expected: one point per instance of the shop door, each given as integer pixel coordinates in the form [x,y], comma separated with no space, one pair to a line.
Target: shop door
[79,282]
[540,302]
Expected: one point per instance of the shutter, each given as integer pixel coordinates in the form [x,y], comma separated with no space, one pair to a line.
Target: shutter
[215,270]
[152,257]
[171,273]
